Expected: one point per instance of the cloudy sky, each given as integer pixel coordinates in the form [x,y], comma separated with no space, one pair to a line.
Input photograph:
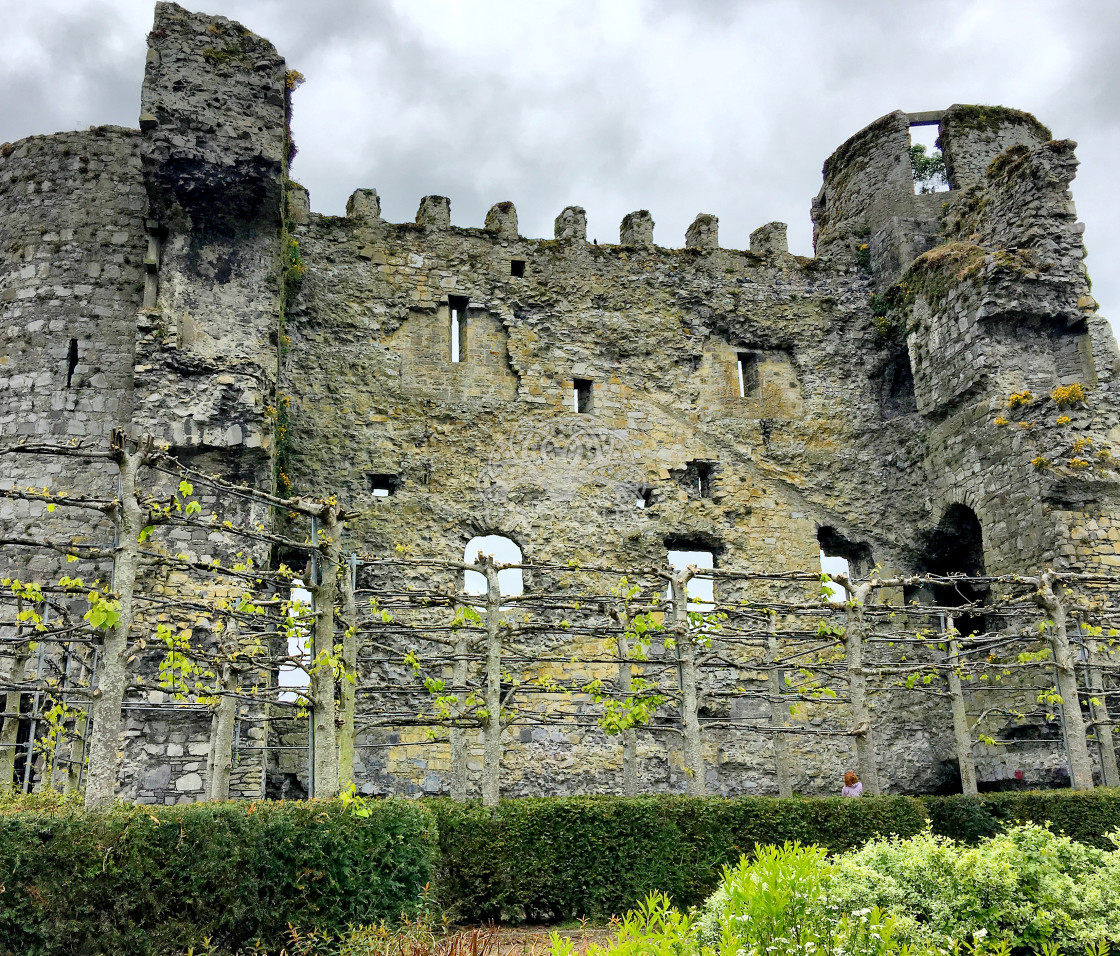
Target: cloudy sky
[678,106]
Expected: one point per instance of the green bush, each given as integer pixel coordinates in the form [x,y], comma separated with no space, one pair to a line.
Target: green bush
[1025,890]
[1028,886]
[133,879]
[148,880]
[559,858]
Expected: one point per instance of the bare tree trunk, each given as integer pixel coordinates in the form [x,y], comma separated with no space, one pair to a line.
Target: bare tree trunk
[1081,767]
[349,683]
[221,736]
[77,759]
[630,734]
[459,672]
[857,687]
[1102,721]
[962,732]
[778,715]
[112,677]
[492,747]
[9,731]
[322,683]
[686,652]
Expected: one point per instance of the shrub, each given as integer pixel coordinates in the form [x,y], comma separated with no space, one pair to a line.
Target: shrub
[138,879]
[1066,396]
[1027,887]
[1087,816]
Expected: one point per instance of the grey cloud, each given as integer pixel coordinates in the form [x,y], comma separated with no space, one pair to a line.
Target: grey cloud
[713,105]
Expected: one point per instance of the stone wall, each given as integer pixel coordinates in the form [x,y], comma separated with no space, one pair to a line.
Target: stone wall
[71,276]
[593,402]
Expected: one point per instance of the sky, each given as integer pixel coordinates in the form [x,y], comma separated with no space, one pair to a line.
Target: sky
[677,106]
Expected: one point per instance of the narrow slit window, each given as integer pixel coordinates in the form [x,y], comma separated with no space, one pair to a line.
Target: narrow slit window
[704,478]
[517,268]
[643,498]
[457,309]
[749,382]
[382,486]
[71,363]
[581,395]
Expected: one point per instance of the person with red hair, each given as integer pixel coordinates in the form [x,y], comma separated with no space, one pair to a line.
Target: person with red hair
[852,786]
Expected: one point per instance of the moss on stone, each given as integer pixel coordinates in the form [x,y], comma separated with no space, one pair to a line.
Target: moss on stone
[990,118]
[1008,162]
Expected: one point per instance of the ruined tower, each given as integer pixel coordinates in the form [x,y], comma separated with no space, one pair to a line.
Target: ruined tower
[599,403]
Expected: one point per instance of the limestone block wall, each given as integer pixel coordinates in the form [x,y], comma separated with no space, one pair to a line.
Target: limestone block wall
[602,403]
[972,136]
[214,148]
[71,277]
[656,335]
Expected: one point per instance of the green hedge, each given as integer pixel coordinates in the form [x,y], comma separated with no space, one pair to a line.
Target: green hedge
[1087,816]
[557,858]
[145,880]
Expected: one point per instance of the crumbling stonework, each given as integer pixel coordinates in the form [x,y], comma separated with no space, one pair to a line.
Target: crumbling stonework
[599,403]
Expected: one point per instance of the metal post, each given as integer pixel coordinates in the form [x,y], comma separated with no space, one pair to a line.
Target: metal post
[1102,720]
[777,710]
[311,713]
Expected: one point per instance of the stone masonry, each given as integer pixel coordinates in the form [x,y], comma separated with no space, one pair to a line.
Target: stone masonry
[172,280]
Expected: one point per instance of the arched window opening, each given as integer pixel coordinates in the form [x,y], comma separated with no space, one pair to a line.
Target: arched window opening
[833,564]
[956,546]
[841,555]
[511,581]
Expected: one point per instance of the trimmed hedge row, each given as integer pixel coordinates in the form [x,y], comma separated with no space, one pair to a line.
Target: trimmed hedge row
[144,880]
[1087,816]
[557,858]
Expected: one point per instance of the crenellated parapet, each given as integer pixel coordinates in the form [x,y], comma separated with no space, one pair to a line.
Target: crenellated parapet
[597,403]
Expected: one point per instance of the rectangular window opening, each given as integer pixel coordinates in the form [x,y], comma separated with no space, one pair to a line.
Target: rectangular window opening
[457,308]
[71,363]
[834,564]
[749,381]
[382,486]
[293,675]
[581,395]
[643,498]
[517,268]
[926,162]
[701,589]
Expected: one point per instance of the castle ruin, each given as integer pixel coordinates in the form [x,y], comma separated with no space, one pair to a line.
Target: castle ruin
[596,404]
